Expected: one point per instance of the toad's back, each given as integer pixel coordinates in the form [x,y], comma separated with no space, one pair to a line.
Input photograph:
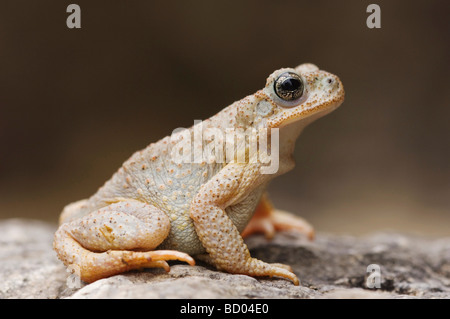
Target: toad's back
[152,176]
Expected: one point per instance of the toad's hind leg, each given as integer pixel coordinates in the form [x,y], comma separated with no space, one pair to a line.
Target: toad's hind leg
[115,239]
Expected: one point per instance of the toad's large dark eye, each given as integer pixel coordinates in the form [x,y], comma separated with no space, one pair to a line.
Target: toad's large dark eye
[289,86]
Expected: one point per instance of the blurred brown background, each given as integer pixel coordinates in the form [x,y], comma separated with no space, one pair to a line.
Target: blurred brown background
[74,104]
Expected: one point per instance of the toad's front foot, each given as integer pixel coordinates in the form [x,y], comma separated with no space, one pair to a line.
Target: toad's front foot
[267,220]
[227,250]
[215,229]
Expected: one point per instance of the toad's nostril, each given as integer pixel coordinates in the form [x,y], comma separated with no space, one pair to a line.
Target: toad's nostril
[330,80]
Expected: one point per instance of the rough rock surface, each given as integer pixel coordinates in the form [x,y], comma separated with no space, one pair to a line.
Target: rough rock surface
[330,267]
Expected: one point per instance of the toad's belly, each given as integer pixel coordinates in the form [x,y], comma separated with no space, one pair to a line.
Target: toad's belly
[171,187]
[183,237]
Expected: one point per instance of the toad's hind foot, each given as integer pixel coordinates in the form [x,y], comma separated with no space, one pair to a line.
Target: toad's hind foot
[91,266]
[115,239]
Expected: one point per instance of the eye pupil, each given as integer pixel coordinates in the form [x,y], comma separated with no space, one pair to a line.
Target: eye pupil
[289,86]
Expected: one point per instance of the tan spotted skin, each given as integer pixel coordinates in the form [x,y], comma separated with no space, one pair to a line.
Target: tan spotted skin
[154,209]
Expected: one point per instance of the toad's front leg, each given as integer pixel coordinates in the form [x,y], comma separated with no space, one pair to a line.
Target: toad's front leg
[218,234]
[267,220]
